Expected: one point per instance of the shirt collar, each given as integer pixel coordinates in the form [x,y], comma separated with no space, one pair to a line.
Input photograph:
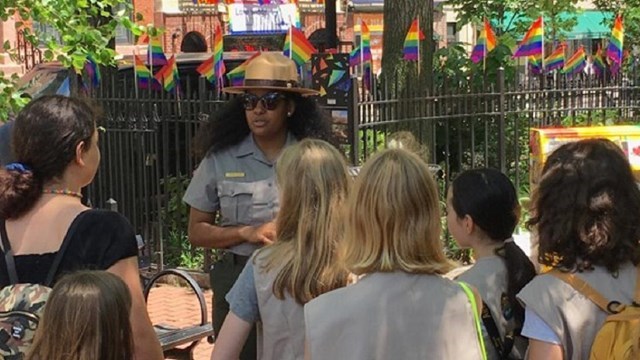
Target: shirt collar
[249,147]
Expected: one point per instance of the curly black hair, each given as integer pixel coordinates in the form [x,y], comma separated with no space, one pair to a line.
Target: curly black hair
[586,208]
[228,126]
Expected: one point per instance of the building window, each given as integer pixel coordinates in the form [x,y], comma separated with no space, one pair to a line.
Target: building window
[45,32]
[452,33]
[123,36]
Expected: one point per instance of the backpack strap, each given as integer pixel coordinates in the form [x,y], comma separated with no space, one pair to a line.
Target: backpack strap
[63,248]
[636,299]
[10,260]
[8,254]
[584,288]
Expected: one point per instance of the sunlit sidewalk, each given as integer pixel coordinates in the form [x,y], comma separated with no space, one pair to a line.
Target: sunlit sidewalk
[177,306]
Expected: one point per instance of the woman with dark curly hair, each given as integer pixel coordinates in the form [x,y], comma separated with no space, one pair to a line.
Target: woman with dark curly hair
[586,212]
[236,178]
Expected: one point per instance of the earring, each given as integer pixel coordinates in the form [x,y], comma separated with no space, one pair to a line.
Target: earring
[289,114]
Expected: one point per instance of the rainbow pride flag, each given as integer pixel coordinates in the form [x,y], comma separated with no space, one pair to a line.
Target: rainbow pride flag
[599,63]
[486,42]
[365,42]
[616,42]
[535,65]
[168,76]
[218,61]
[206,69]
[355,58]
[555,60]
[156,54]
[531,44]
[297,47]
[143,75]
[236,76]
[411,49]
[576,62]
[91,74]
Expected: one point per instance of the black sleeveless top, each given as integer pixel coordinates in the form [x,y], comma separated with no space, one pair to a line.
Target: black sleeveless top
[101,239]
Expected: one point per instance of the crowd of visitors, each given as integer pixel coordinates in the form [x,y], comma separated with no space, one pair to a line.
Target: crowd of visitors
[317,264]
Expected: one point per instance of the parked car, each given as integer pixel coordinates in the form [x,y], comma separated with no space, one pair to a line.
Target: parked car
[47,78]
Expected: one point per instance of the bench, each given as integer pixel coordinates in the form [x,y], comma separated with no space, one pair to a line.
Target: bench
[172,338]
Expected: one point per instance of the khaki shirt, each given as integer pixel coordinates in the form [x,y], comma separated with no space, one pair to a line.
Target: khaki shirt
[393,316]
[573,317]
[240,183]
[281,333]
[489,276]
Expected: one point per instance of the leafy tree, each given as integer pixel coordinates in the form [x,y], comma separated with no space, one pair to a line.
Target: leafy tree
[513,17]
[630,10]
[85,28]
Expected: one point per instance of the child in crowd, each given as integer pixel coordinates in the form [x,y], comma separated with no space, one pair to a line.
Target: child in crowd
[585,210]
[313,181]
[482,213]
[86,318]
[400,308]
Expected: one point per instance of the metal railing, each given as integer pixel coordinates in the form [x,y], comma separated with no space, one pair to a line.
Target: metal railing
[147,159]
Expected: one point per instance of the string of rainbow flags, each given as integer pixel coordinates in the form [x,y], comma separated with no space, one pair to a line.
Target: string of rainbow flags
[300,50]
[532,47]
[297,47]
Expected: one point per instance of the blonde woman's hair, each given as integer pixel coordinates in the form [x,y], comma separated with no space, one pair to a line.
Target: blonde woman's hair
[86,318]
[313,181]
[394,218]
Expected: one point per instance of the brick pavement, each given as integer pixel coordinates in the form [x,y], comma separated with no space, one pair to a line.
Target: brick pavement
[178,306]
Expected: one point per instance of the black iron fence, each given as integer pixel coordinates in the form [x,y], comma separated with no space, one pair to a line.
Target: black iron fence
[27,54]
[147,159]
[487,124]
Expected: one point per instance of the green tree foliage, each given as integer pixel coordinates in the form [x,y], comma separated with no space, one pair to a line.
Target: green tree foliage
[630,10]
[85,28]
[511,18]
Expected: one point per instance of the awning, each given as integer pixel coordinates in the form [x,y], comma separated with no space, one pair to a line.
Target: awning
[590,25]
[368,5]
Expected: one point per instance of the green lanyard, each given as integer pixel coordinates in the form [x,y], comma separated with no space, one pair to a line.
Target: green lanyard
[476,317]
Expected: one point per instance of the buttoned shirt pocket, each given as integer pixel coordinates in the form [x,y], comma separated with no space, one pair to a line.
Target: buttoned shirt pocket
[265,201]
[236,199]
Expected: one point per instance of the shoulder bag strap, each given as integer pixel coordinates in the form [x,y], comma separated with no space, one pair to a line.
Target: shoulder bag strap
[492,330]
[583,287]
[63,248]
[8,254]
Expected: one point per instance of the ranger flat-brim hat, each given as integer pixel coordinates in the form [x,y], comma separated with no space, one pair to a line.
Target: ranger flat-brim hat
[271,71]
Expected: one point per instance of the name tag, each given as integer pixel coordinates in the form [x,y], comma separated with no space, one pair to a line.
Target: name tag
[234,174]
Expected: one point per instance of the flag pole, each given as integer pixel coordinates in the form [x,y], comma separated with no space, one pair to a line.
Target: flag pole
[418,45]
[290,41]
[361,53]
[542,50]
[135,70]
[486,42]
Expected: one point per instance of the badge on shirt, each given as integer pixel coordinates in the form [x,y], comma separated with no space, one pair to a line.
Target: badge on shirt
[236,174]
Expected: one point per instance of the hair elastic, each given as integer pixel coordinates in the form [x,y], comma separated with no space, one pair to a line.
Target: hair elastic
[16,166]
[509,240]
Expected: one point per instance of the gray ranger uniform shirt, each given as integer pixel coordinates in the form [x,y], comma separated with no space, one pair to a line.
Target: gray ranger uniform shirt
[239,182]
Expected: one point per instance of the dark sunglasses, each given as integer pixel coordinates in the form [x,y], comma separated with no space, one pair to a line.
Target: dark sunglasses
[269,100]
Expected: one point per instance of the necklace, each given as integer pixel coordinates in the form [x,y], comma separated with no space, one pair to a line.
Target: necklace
[63,192]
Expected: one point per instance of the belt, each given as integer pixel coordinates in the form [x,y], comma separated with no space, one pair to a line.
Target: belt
[239,259]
